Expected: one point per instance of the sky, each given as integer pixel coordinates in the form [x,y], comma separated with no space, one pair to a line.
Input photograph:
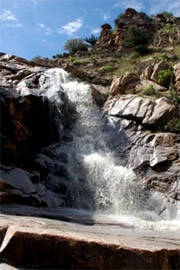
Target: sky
[30,28]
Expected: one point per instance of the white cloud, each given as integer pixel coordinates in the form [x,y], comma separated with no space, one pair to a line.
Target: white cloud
[96,31]
[35,2]
[153,7]
[136,4]
[71,27]
[47,29]
[7,15]
[15,25]
[98,9]
[106,16]
[165,5]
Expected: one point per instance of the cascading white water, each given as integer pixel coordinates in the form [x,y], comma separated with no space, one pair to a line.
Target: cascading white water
[113,189]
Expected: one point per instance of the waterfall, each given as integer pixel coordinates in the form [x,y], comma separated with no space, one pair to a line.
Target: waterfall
[91,178]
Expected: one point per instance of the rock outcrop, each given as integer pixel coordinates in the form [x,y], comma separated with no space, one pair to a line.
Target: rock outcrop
[167,30]
[153,154]
[31,119]
[148,79]
[146,111]
[27,125]
[35,243]
[123,83]
[177,76]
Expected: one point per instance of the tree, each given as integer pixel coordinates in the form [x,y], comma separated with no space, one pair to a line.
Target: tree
[35,58]
[167,15]
[74,45]
[91,40]
[137,38]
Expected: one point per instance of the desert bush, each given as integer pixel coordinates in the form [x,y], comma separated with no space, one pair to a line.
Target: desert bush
[107,68]
[149,91]
[166,14]
[75,45]
[35,58]
[57,56]
[173,125]
[165,76]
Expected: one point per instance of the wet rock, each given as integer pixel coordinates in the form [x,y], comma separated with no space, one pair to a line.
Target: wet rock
[24,123]
[18,179]
[99,93]
[152,155]
[16,187]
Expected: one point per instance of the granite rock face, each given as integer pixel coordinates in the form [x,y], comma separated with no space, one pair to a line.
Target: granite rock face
[146,111]
[155,156]
[36,243]
[177,76]
[123,83]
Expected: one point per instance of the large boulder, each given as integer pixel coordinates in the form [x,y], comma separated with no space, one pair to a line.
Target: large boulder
[99,93]
[35,243]
[123,83]
[145,85]
[146,111]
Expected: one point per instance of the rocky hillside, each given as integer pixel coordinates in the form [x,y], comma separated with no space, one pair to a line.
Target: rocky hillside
[163,30]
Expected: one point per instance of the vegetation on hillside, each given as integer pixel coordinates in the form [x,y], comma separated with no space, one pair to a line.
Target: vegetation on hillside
[75,45]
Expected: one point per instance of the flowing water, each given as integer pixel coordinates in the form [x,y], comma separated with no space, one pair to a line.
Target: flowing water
[96,182]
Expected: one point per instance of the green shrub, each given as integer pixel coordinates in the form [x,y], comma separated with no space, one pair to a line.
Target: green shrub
[149,91]
[77,63]
[107,68]
[137,39]
[37,57]
[166,14]
[70,59]
[173,125]
[57,56]
[75,45]
[174,96]
[165,76]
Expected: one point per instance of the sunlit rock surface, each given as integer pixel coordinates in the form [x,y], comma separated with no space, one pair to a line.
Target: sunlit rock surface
[36,243]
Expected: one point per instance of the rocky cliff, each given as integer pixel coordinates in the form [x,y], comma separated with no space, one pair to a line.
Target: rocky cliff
[162,31]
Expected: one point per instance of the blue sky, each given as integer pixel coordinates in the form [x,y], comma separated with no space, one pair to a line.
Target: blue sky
[41,27]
